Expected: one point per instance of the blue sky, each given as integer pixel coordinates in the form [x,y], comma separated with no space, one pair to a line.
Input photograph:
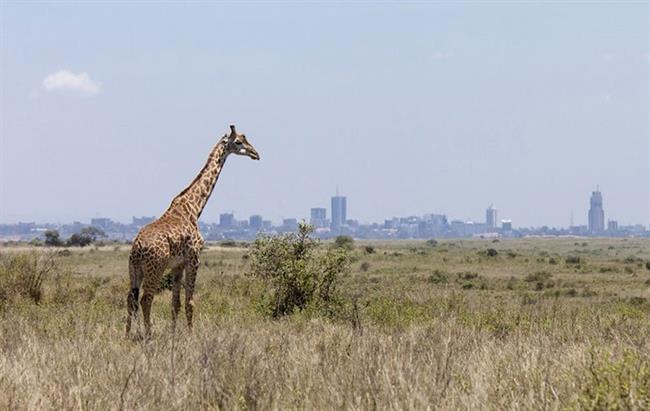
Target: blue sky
[406,108]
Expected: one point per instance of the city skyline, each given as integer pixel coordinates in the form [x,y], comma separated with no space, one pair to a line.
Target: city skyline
[427,226]
[318,218]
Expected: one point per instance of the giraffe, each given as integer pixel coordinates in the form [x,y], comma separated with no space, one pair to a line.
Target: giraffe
[173,241]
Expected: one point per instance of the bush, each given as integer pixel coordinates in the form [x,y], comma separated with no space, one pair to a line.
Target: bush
[491,252]
[432,243]
[345,242]
[467,275]
[78,240]
[630,259]
[52,238]
[647,265]
[539,276]
[365,266]
[297,276]
[167,281]
[438,277]
[572,259]
[23,275]
[369,249]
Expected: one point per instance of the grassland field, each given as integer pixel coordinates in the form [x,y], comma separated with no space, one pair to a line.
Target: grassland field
[545,324]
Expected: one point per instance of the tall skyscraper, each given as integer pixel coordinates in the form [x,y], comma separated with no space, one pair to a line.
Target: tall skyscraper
[596,213]
[318,217]
[338,212]
[491,219]
[255,222]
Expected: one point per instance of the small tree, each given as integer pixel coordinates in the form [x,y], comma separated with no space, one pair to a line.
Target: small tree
[297,276]
[86,236]
[93,233]
[345,242]
[78,240]
[52,238]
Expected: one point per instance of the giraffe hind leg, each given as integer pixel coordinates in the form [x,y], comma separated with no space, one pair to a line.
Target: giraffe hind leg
[150,285]
[132,299]
[190,278]
[177,275]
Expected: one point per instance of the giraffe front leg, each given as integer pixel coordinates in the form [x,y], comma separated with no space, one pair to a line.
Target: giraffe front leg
[177,276]
[190,279]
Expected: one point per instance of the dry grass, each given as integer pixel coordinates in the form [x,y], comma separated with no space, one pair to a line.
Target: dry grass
[444,327]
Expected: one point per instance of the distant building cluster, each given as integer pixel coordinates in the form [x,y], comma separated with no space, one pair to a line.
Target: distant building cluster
[426,226]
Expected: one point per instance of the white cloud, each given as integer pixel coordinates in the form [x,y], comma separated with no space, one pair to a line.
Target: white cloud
[67,81]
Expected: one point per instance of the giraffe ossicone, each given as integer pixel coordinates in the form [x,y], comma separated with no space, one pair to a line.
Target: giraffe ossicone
[173,241]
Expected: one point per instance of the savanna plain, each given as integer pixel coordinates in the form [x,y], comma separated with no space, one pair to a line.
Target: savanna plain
[557,323]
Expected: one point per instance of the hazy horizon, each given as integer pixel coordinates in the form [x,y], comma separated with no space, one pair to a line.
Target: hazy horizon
[110,110]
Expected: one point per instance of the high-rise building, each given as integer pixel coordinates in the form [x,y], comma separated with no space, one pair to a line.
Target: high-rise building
[506,225]
[318,217]
[103,223]
[339,214]
[255,222]
[491,219]
[596,213]
[612,226]
[226,220]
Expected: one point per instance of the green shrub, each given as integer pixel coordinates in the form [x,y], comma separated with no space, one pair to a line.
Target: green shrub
[438,277]
[296,275]
[538,276]
[23,275]
[344,242]
[166,281]
[467,275]
[630,259]
[52,238]
[369,249]
[491,252]
[365,266]
[432,243]
[78,240]
[647,265]
[572,259]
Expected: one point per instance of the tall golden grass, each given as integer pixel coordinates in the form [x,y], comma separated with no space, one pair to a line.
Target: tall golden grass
[444,327]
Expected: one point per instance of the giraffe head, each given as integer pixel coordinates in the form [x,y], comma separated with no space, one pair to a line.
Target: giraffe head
[238,144]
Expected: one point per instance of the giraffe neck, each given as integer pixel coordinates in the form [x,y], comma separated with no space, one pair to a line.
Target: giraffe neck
[192,200]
